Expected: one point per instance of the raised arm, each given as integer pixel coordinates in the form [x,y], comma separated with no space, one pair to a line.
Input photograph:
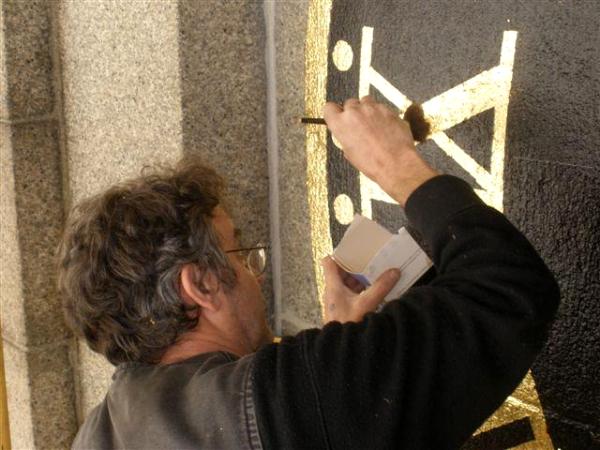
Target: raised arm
[433,365]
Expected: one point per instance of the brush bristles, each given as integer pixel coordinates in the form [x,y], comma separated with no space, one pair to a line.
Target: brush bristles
[419,126]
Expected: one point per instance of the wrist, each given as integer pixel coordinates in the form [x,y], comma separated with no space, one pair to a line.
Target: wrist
[410,172]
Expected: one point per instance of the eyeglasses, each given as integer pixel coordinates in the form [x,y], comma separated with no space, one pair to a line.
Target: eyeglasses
[255,258]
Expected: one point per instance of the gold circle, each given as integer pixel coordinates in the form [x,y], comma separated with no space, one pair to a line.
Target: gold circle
[342,55]
[344,209]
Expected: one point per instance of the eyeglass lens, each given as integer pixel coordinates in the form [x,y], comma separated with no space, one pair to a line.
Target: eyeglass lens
[257,261]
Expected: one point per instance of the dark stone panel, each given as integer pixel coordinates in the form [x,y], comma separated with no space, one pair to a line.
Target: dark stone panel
[223,84]
[27,89]
[558,209]
[553,112]
[424,51]
[552,171]
[475,135]
[571,435]
[39,204]
[390,216]
[342,178]
[445,164]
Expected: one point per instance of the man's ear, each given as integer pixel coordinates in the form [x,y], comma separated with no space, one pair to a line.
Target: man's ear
[200,287]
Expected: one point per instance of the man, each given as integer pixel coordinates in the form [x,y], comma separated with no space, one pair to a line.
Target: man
[154,279]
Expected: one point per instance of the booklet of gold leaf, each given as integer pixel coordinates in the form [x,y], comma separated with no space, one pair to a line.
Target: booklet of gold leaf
[367,250]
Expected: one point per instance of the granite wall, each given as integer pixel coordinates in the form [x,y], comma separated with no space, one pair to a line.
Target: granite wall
[90,93]
[36,343]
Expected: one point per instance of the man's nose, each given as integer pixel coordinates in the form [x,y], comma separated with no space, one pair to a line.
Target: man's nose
[261,278]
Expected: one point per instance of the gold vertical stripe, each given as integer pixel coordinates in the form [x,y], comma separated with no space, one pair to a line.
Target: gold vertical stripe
[315,83]
[4,430]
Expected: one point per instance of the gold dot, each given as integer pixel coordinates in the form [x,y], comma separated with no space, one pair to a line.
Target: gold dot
[342,55]
[343,209]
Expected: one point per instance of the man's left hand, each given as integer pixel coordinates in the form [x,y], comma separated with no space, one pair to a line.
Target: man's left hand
[345,300]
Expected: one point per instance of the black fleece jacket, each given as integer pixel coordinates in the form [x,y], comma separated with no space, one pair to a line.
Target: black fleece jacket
[426,371]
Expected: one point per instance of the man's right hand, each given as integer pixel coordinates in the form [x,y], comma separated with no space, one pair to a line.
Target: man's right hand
[379,144]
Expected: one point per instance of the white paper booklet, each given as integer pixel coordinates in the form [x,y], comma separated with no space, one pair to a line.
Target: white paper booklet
[367,250]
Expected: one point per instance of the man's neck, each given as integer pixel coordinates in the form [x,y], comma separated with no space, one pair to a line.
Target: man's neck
[196,342]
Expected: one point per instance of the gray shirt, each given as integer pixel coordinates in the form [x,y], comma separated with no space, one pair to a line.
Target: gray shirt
[202,402]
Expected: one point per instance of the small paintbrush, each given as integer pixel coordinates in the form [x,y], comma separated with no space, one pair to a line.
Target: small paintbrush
[414,115]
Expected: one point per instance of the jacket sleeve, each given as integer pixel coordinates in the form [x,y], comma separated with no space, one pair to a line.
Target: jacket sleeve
[428,369]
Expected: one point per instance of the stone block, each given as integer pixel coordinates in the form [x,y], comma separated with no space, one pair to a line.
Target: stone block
[122,91]
[27,80]
[18,395]
[52,397]
[39,217]
[39,206]
[299,296]
[291,326]
[223,91]
[122,97]
[11,292]
[41,397]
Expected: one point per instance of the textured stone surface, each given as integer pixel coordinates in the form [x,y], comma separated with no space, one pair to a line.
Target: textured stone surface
[26,86]
[224,108]
[41,399]
[39,215]
[299,294]
[122,111]
[38,370]
[126,78]
[292,326]
[11,290]
[95,376]
[52,397]
[18,395]
[121,89]
[557,207]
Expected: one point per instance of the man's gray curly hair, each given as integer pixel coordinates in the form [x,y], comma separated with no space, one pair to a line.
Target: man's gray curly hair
[121,256]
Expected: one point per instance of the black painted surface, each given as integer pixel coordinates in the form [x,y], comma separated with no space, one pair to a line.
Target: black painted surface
[552,166]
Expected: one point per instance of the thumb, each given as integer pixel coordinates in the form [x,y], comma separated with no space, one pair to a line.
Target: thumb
[375,294]
[331,272]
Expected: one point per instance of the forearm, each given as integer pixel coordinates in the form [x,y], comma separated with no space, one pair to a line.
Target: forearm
[405,175]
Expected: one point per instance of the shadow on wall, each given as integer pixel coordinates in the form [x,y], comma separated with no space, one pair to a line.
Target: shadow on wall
[223,92]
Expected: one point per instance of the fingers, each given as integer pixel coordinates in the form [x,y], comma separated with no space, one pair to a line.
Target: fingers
[351,103]
[374,295]
[368,99]
[331,110]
